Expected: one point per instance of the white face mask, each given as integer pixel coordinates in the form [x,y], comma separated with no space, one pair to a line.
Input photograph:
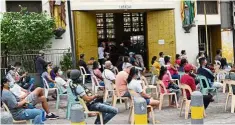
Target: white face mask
[60,73]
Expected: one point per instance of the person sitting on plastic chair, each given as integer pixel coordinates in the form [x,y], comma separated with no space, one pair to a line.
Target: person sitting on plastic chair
[17,106]
[60,82]
[33,97]
[94,102]
[189,80]
[207,73]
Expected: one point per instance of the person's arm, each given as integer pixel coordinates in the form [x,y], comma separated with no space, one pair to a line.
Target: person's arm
[144,95]
[89,98]
[21,103]
[173,67]
[192,84]
[50,79]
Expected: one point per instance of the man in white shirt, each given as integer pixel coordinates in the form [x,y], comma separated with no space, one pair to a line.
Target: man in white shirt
[101,54]
[108,76]
[60,82]
[161,59]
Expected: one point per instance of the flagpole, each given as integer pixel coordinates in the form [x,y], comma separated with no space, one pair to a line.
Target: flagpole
[207,44]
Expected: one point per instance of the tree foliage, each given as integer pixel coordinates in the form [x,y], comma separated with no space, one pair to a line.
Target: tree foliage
[26,30]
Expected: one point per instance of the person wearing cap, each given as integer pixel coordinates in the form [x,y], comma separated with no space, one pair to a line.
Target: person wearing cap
[132,59]
[189,80]
[121,83]
[93,102]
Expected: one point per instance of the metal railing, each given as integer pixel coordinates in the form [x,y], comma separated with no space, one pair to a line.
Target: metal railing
[27,58]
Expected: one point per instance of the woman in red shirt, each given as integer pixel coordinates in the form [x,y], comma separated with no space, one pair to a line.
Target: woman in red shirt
[189,80]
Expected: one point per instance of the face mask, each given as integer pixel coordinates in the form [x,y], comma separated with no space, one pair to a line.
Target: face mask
[60,73]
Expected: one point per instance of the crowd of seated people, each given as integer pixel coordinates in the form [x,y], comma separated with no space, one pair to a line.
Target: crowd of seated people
[124,78]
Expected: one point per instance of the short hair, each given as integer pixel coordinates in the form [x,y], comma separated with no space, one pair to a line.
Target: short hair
[183,52]
[218,51]
[82,55]
[177,56]
[166,59]
[17,64]
[92,58]
[107,64]
[56,69]
[201,60]
[161,54]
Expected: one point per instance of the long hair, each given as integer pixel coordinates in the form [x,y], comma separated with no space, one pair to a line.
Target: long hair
[183,62]
[132,73]
[162,72]
[223,62]
[166,59]
[95,65]
[153,59]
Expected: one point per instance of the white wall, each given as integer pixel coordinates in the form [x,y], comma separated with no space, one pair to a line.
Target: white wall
[63,43]
[185,41]
[3,5]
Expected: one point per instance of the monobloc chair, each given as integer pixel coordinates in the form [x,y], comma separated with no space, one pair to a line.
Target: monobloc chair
[117,96]
[144,80]
[47,89]
[71,101]
[205,87]
[230,94]
[82,102]
[109,88]
[165,93]
[95,84]
[185,101]
[59,94]
[16,121]
[83,73]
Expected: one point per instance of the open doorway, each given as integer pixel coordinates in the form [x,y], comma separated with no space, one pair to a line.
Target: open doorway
[214,40]
[129,28]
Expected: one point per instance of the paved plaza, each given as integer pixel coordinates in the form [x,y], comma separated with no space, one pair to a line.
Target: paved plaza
[168,115]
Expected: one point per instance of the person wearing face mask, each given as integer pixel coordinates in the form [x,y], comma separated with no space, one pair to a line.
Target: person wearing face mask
[60,82]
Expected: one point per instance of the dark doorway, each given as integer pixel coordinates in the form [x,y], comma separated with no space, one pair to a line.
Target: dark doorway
[129,28]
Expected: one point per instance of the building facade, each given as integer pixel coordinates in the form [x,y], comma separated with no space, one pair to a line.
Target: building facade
[151,26]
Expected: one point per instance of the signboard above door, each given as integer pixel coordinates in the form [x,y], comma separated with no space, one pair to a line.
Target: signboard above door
[125,6]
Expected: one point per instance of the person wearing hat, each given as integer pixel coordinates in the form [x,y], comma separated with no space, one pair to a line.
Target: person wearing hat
[94,102]
[189,80]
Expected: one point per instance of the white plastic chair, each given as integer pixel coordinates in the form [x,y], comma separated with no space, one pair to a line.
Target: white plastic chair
[47,89]
[95,84]
[83,73]
[185,100]
[109,87]
[230,94]
[16,121]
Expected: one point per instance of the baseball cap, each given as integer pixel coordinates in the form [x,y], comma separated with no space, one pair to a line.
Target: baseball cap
[188,67]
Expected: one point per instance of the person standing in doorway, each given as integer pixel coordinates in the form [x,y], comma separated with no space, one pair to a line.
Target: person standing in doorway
[218,55]
[101,54]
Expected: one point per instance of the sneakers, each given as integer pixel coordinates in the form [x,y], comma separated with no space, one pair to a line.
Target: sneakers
[52,116]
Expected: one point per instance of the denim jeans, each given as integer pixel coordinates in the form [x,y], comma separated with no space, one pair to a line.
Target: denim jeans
[27,114]
[108,111]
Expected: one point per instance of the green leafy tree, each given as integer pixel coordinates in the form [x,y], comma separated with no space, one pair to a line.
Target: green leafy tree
[26,30]
[66,62]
